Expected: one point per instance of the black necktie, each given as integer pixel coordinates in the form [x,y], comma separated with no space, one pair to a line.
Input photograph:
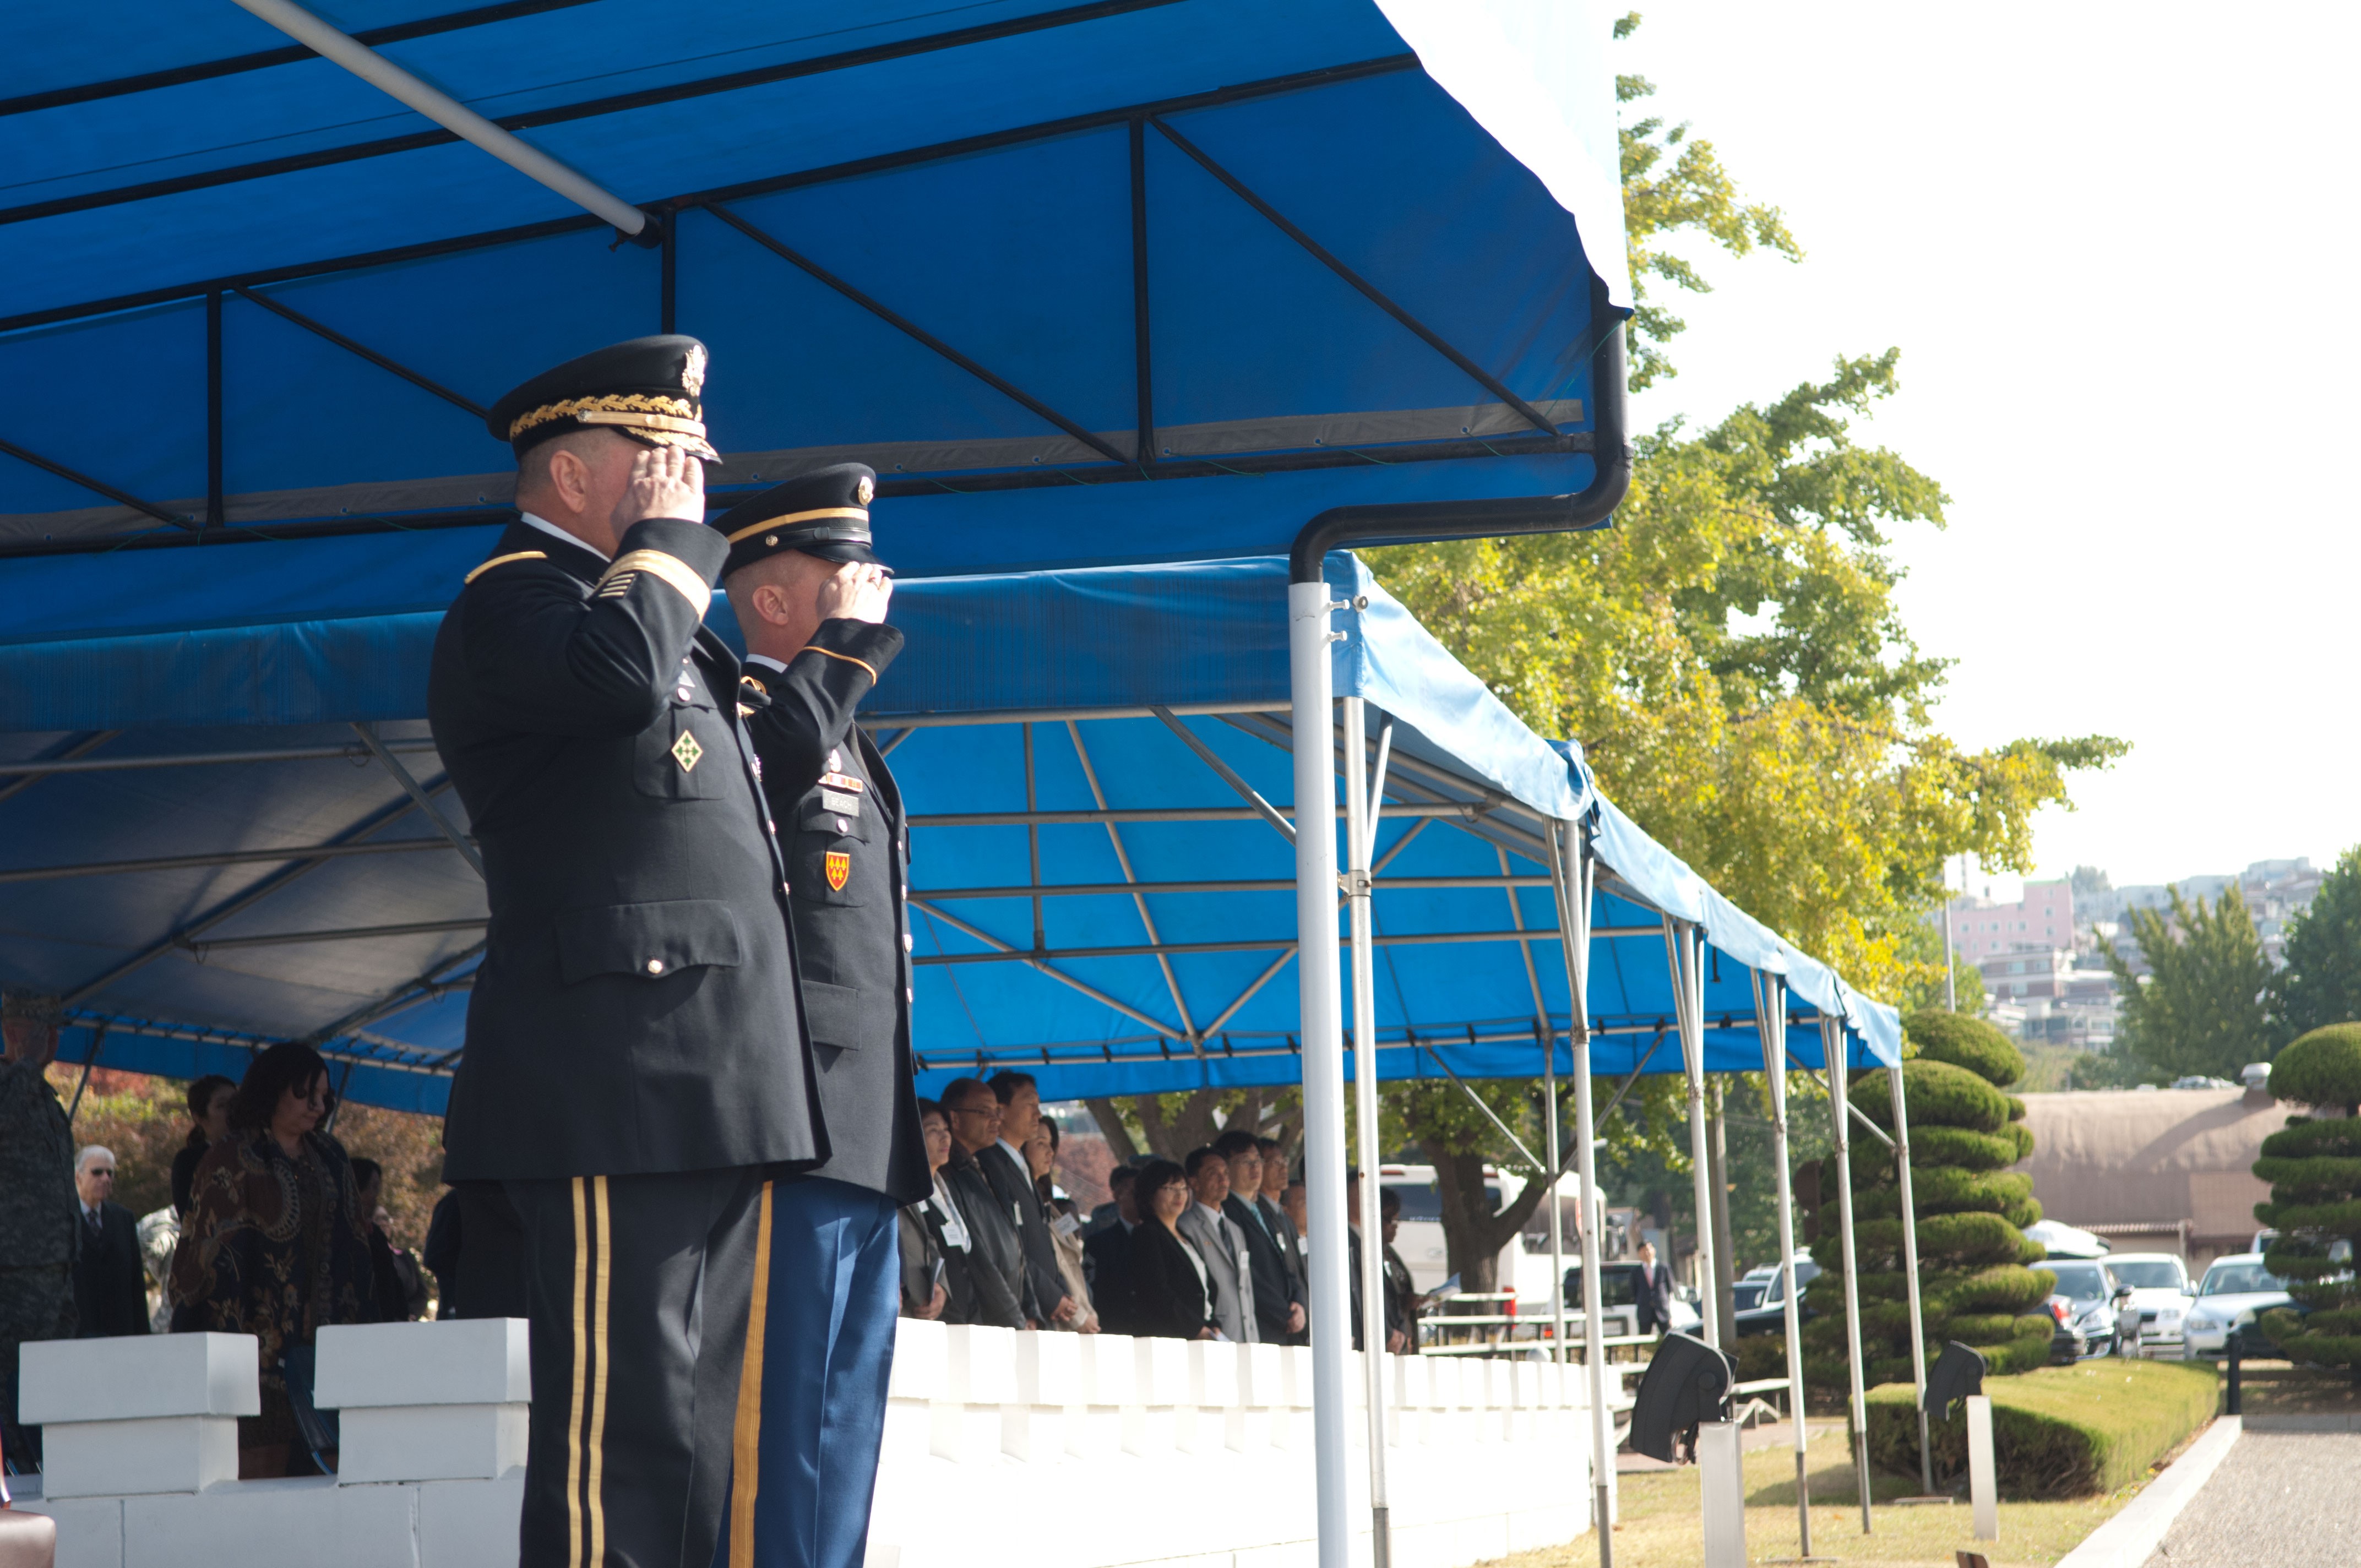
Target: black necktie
[90,1218]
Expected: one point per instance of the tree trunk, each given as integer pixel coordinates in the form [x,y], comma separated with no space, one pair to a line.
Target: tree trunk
[1104,1112]
[1191,1127]
[1473,1234]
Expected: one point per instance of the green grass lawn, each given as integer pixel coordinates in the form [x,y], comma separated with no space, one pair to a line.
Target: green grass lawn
[1659,1528]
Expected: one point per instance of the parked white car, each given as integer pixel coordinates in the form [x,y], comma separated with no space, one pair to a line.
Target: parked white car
[2160,1292]
[2236,1291]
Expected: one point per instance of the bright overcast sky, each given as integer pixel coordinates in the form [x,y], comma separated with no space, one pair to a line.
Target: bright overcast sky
[2115,246]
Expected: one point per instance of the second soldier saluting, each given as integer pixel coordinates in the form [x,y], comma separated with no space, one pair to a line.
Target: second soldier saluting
[810,597]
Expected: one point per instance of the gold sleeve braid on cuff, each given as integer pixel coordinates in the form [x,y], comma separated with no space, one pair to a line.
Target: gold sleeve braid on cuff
[816,648]
[674,572]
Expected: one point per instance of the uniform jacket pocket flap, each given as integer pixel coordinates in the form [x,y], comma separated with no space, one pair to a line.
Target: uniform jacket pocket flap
[817,817]
[837,1017]
[650,940]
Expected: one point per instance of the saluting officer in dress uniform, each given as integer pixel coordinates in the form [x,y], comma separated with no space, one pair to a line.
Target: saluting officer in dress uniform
[636,1061]
[810,597]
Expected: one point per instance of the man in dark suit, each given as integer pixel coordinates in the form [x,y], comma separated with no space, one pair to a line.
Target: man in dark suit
[1108,1251]
[1271,1204]
[810,597]
[1004,1295]
[1279,1301]
[635,1057]
[110,1283]
[1012,1179]
[1655,1293]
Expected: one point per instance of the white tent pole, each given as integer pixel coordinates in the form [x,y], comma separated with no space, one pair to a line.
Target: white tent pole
[1771,1023]
[1910,1274]
[1834,1056]
[446,111]
[1572,890]
[1681,959]
[1357,853]
[1311,685]
[1556,1160]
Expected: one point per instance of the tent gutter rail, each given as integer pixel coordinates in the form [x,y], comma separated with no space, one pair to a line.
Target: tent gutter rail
[1409,523]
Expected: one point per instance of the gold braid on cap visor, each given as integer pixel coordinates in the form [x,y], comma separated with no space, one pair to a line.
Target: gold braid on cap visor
[632,410]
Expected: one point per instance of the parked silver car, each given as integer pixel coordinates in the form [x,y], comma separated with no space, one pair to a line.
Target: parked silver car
[2236,1291]
[2085,1305]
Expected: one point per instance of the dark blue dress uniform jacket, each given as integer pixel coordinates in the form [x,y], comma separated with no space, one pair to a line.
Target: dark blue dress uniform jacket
[850,918]
[636,1010]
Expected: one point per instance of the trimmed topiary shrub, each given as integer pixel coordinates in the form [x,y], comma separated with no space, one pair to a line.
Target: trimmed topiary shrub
[1976,1282]
[2314,1170]
[2059,1432]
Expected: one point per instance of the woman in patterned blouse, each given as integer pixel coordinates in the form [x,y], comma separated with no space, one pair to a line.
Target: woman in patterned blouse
[275,1245]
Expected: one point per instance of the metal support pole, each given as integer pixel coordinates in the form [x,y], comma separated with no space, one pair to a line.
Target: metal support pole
[97,1044]
[1910,1274]
[1833,1052]
[1357,853]
[1572,873]
[1771,1023]
[1556,1158]
[1681,959]
[443,110]
[1312,689]
[1725,1278]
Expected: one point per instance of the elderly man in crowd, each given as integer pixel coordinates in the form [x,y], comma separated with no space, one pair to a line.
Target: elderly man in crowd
[1278,1296]
[110,1282]
[1203,1225]
[37,1209]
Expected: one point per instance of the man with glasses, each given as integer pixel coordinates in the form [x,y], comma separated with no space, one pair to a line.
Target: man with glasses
[974,1112]
[109,1281]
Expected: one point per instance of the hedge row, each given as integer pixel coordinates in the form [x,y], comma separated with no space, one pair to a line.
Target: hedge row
[2061,1432]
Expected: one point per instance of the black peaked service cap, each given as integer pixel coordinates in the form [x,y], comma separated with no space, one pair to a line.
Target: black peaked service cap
[651,389]
[823,513]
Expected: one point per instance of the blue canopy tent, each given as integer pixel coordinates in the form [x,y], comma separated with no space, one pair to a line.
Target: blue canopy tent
[1078,716]
[1097,764]
[1138,280]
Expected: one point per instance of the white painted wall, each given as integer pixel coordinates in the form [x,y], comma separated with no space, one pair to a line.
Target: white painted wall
[1131,1452]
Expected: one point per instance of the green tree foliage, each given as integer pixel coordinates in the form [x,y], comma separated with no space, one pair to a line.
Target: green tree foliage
[2200,1007]
[1691,194]
[2314,1170]
[2321,982]
[1975,1279]
[1730,653]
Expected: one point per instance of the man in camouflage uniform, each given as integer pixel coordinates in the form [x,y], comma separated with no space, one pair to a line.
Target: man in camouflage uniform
[37,1204]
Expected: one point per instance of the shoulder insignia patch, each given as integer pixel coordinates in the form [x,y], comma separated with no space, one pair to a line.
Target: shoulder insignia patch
[839,866]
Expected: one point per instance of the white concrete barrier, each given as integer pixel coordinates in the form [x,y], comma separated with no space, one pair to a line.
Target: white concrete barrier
[1152,1452]
[427,1401]
[147,1413]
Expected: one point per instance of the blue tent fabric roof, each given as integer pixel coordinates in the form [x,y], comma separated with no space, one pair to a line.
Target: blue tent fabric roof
[989,658]
[1012,255]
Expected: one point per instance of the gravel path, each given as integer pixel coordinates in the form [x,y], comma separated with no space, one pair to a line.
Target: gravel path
[2280,1500]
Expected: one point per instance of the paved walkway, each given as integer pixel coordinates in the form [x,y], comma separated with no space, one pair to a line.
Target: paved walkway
[2279,1500]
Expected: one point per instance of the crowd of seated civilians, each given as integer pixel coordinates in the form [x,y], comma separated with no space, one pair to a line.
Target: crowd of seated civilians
[1209,1248]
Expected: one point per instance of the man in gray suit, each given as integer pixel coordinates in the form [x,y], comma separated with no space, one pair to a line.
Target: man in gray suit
[1227,1267]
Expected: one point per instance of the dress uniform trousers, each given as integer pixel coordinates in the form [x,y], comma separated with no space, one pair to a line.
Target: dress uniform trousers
[638,1289]
[821,1357]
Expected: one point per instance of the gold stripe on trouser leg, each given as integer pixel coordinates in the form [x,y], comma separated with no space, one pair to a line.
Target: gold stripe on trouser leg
[574,1410]
[602,1277]
[746,1435]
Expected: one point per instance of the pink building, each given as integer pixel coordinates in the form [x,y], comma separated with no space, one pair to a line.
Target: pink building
[2043,918]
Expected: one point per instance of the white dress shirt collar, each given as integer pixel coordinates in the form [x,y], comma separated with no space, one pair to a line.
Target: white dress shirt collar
[554,532]
[769,663]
